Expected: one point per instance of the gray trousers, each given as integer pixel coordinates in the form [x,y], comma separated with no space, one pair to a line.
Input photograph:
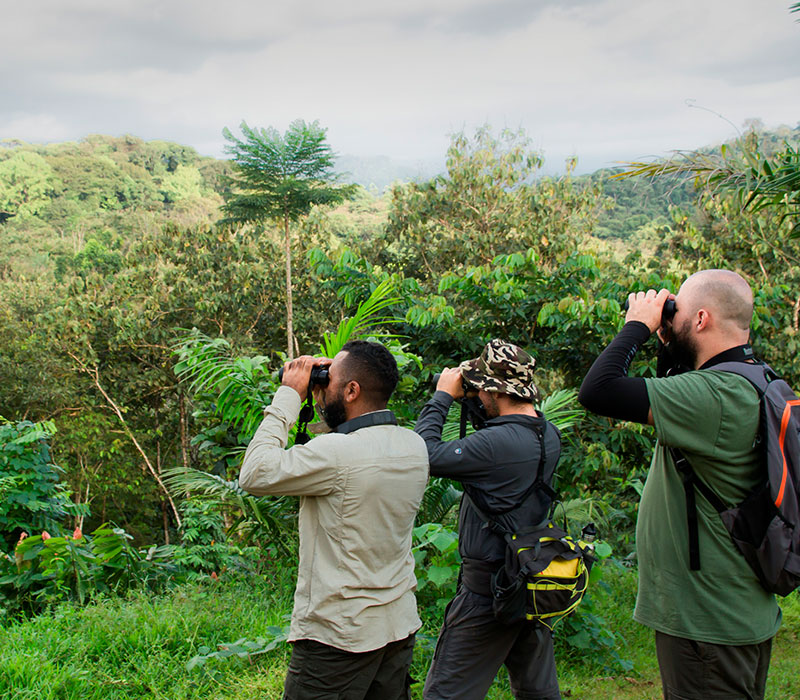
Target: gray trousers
[692,670]
[472,646]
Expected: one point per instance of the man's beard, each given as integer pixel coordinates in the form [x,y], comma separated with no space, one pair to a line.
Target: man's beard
[683,347]
[333,413]
[490,406]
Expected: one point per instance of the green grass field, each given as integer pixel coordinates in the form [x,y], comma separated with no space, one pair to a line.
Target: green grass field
[138,647]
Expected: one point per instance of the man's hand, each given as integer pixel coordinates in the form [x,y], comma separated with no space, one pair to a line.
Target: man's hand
[297,373]
[647,307]
[451,382]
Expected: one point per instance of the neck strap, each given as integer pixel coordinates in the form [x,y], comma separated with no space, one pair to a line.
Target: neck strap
[740,353]
[367,420]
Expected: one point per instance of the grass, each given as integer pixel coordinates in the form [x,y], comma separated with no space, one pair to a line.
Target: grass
[138,647]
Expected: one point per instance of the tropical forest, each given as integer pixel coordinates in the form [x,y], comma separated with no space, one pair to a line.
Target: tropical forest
[150,295]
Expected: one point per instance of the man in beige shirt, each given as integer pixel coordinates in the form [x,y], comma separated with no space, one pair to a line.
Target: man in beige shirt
[360,486]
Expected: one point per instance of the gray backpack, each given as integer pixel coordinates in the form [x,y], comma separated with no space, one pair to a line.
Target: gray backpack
[765,527]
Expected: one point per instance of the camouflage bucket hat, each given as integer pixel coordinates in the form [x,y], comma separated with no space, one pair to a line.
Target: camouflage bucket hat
[502,367]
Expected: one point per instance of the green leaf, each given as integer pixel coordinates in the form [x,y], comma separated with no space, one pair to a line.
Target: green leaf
[602,549]
[439,575]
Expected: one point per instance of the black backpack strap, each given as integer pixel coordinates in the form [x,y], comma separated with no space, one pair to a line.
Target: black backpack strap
[537,484]
[691,482]
[493,525]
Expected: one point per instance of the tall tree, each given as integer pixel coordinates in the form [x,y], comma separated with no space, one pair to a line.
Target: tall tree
[279,178]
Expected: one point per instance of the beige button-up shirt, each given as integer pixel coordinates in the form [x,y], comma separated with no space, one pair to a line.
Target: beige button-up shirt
[359,494]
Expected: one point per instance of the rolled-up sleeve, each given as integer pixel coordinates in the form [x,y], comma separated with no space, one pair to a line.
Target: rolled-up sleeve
[302,470]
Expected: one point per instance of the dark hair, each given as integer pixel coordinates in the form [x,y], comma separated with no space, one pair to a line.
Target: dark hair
[519,400]
[373,367]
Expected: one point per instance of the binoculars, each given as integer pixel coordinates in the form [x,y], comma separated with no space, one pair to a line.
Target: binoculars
[319,376]
[666,313]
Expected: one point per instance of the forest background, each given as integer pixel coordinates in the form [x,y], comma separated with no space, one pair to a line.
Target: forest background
[142,327]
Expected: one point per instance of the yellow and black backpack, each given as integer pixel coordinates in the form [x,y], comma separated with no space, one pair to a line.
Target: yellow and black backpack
[545,574]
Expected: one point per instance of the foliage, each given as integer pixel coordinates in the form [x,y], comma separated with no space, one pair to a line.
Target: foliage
[489,203]
[205,549]
[45,569]
[758,180]
[440,497]
[136,647]
[280,176]
[108,251]
[266,520]
[241,387]
[33,499]
[587,631]
[631,205]
[242,648]
[437,563]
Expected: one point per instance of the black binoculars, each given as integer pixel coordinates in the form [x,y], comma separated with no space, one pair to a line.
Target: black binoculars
[319,376]
[667,312]
[464,384]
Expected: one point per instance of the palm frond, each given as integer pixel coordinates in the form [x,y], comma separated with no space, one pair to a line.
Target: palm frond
[240,387]
[758,180]
[368,315]
[440,496]
[263,518]
[562,408]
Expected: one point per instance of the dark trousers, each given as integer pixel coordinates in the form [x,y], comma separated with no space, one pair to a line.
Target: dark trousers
[321,672]
[693,670]
[472,646]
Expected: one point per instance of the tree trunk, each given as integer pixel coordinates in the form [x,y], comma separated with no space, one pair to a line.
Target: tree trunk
[165,515]
[184,430]
[289,313]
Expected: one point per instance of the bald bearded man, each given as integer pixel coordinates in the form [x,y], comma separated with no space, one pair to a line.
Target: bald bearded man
[713,625]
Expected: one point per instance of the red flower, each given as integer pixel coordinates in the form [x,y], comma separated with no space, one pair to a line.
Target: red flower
[45,535]
[77,534]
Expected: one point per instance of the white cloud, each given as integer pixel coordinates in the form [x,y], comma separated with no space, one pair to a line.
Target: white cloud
[34,128]
[596,77]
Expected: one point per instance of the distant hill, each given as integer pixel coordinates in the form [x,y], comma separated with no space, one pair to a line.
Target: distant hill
[641,201]
[377,173]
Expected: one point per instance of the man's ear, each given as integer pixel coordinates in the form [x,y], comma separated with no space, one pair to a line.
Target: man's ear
[352,391]
[702,320]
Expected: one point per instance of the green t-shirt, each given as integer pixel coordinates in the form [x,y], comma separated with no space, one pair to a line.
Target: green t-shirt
[712,416]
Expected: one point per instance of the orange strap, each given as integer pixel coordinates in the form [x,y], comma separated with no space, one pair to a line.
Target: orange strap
[787,414]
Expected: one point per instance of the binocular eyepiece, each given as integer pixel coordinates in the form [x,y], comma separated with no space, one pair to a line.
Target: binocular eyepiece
[319,376]
[667,312]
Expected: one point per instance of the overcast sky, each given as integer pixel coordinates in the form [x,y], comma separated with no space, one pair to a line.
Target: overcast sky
[605,80]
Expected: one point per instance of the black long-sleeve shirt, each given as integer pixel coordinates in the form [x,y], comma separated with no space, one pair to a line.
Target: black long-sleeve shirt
[496,466]
[606,388]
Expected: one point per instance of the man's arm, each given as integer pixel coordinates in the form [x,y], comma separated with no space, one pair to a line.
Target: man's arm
[606,388]
[303,470]
[465,460]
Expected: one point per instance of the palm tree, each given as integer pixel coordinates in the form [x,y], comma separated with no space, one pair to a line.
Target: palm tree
[279,178]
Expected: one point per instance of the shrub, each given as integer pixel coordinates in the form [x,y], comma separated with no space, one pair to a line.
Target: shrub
[31,497]
[46,569]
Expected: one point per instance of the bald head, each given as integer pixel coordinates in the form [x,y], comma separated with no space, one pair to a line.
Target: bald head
[724,293]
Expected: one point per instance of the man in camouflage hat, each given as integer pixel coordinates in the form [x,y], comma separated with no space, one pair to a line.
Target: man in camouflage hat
[499,468]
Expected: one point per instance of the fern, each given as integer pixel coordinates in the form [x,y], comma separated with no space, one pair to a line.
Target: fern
[264,518]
